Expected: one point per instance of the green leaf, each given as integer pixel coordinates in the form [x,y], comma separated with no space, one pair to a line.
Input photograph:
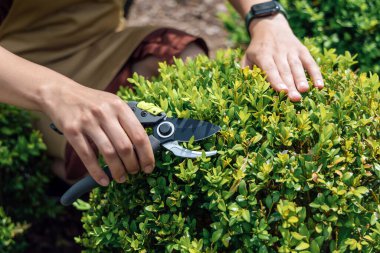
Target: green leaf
[263,249]
[222,205]
[293,219]
[243,188]
[256,139]
[298,236]
[268,201]
[302,246]
[361,190]
[81,205]
[226,240]
[246,215]
[151,208]
[374,219]
[216,235]
[314,247]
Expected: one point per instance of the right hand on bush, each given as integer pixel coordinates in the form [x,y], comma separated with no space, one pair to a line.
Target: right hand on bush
[87,115]
[277,51]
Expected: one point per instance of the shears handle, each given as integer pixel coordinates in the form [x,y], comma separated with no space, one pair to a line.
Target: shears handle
[88,183]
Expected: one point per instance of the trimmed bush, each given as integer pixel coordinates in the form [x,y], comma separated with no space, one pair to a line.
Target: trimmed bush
[352,25]
[288,177]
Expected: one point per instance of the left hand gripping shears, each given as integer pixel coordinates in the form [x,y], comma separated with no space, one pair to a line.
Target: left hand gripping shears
[167,133]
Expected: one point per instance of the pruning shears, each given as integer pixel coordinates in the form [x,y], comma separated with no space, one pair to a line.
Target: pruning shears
[167,133]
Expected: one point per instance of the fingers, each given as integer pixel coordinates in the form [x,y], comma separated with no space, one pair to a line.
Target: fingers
[86,154]
[285,72]
[139,139]
[312,68]
[118,135]
[123,146]
[123,141]
[268,65]
[287,76]
[298,73]
[103,118]
[107,149]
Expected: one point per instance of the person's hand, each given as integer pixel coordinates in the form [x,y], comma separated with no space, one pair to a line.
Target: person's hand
[276,50]
[86,115]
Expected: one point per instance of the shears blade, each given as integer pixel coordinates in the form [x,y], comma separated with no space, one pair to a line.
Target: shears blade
[179,151]
[187,128]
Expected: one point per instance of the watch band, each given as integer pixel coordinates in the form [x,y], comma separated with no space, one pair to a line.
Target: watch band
[266,12]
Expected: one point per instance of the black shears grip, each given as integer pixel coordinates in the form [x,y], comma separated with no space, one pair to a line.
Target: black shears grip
[88,183]
[81,187]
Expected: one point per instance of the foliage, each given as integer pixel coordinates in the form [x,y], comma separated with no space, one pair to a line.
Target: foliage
[352,25]
[288,177]
[8,232]
[23,172]
[23,166]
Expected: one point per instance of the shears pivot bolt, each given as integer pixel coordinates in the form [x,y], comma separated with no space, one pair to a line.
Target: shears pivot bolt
[165,129]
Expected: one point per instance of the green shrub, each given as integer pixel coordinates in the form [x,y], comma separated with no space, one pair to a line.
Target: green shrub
[8,232]
[24,170]
[24,176]
[288,176]
[352,25]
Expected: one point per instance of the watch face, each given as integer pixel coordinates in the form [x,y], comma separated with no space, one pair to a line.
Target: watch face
[265,9]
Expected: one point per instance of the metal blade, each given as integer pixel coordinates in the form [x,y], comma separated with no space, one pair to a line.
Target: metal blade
[186,128]
[177,150]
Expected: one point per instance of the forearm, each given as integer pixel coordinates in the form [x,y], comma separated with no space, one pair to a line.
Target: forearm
[243,6]
[83,114]
[25,84]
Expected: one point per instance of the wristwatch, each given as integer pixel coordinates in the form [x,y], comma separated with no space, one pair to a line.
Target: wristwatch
[263,10]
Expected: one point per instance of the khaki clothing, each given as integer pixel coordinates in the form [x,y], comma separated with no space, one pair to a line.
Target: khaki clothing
[86,40]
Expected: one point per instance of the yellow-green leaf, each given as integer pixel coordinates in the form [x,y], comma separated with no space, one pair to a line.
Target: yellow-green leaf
[293,219]
[298,236]
[302,246]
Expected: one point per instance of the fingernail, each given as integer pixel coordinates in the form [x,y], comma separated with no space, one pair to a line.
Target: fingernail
[320,83]
[295,96]
[283,86]
[122,179]
[148,169]
[303,85]
[104,182]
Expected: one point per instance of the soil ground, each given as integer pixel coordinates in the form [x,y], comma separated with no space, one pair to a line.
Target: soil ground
[197,17]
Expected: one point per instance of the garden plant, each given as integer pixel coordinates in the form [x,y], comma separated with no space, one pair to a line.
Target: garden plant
[288,177]
[23,178]
[8,231]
